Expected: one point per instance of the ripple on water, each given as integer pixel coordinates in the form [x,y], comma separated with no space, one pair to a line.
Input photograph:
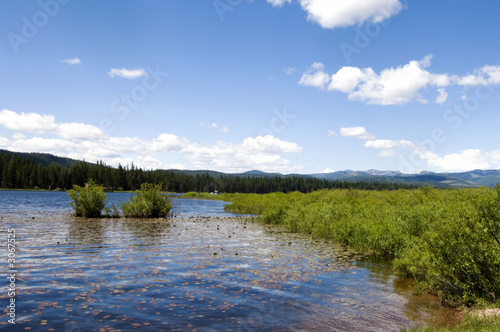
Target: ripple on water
[196,273]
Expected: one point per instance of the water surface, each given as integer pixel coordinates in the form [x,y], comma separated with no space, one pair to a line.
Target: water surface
[204,270]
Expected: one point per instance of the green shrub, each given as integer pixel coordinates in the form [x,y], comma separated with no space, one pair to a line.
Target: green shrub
[88,201]
[148,202]
[190,194]
[195,195]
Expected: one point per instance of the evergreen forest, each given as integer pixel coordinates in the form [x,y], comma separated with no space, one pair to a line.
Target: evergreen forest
[22,171]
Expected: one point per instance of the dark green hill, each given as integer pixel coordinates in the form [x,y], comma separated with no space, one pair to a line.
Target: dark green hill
[44,158]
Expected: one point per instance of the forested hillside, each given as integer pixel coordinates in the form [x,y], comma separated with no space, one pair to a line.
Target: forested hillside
[23,172]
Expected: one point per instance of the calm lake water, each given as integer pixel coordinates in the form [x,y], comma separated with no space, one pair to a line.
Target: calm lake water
[205,270]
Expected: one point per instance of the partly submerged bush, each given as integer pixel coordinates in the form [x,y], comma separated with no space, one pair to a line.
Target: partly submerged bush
[88,201]
[148,202]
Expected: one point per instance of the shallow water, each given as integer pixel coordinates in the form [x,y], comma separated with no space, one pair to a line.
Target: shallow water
[213,273]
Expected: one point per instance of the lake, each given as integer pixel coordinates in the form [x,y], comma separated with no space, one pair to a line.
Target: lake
[204,270]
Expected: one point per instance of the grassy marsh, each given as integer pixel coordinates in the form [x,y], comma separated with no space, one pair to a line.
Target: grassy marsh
[446,239]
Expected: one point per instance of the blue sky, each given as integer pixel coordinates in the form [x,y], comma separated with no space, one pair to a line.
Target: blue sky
[287,86]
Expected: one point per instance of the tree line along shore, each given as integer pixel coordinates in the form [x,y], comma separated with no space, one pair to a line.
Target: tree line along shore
[24,173]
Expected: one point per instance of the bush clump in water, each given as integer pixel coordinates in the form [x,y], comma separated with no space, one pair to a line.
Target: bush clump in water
[88,201]
[148,202]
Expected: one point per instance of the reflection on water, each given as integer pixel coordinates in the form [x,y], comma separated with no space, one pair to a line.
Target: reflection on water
[199,273]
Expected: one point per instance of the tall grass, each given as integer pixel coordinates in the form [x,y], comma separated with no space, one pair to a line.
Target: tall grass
[447,239]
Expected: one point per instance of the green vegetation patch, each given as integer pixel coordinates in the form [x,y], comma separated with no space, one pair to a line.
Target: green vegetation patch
[148,202]
[448,240]
[88,201]
[471,324]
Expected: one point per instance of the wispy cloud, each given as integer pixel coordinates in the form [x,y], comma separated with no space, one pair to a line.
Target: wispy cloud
[74,61]
[394,86]
[278,3]
[356,132]
[130,74]
[289,70]
[215,126]
[332,133]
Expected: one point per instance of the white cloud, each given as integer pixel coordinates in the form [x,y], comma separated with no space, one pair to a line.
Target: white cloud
[269,144]
[82,141]
[30,122]
[45,124]
[347,78]
[315,76]
[278,3]
[356,132]
[394,86]
[130,74]
[482,76]
[327,170]
[337,13]
[4,142]
[46,145]
[442,96]
[74,61]
[464,160]
[332,133]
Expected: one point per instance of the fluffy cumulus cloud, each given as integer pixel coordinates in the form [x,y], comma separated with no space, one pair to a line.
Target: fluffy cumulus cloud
[46,124]
[394,86]
[269,144]
[82,141]
[315,76]
[469,159]
[332,14]
[415,156]
[130,74]
[442,96]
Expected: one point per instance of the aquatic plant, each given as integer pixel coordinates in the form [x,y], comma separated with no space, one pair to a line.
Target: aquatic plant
[447,239]
[88,201]
[148,202]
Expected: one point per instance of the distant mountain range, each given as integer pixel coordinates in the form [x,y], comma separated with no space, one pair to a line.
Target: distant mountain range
[487,178]
[476,178]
